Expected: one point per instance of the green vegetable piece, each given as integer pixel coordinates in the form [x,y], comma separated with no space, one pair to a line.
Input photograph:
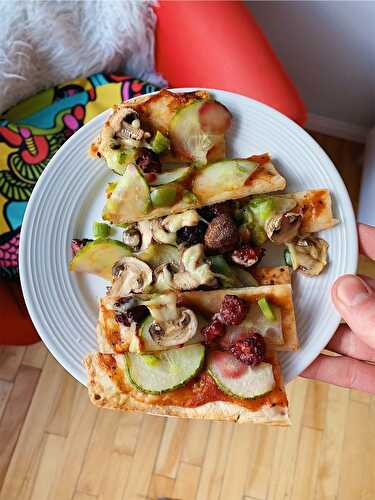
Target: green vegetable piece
[266,309]
[151,359]
[258,235]
[159,143]
[176,175]
[288,258]
[100,230]
[245,277]
[175,368]
[157,254]
[117,159]
[188,197]
[227,277]
[262,207]
[98,257]
[164,196]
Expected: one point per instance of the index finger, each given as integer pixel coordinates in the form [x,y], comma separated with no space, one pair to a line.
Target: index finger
[366,235]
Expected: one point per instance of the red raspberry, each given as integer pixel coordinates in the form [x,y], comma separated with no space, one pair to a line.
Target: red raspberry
[213,330]
[250,351]
[233,310]
[247,255]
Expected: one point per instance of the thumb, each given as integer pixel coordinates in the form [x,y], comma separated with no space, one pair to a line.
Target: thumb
[355,300]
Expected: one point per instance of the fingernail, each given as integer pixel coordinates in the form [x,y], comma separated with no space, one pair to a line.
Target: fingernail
[352,291]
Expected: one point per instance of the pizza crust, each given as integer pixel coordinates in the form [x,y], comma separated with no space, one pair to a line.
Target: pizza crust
[105,393]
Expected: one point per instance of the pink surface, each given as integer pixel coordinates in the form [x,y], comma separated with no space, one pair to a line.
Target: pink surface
[218,44]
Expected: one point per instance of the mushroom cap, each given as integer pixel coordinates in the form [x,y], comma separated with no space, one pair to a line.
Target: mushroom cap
[282,228]
[177,331]
[144,227]
[193,270]
[130,275]
[160,234]
[308,254]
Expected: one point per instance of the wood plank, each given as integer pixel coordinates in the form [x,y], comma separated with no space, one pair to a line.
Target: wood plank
[35,355]
[61,410]
[261,458]
[14,414]
[114,477]
[286,446]
[10,360]
[144,457]
[360,397]
[23,466]
[332,441]
[5,390]
[368,489]
[82,424]
[354,446]
[316,405]
[28,483]
[215,460]
[98,452]
[160,487]
[307,464]
[171,447]
[127,432]
[195,442]
[83,496]
[186,482]
[48,469]
[236,468]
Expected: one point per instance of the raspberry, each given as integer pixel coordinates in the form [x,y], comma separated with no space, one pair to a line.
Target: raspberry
[191,235]
[78,244]
[148,161]
[135,315]
[213,330]
[251,350]
[247,255]
[233,310]
[221,235]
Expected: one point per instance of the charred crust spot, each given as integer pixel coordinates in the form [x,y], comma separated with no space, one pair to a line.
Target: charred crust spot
[97,397]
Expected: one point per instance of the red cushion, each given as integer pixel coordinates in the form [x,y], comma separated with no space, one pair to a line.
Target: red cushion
[16,326]
[218,45]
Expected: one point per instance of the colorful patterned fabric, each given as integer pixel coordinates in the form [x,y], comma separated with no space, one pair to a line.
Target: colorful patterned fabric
[32,132]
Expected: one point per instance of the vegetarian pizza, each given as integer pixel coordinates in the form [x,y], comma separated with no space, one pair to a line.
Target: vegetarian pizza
[192,322]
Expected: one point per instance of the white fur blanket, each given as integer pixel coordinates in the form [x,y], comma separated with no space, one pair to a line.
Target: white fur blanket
[43,42]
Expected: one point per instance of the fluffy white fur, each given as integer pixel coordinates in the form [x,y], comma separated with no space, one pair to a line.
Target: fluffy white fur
[43,43]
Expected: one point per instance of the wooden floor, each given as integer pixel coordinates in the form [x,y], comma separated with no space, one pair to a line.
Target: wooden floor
[55,445]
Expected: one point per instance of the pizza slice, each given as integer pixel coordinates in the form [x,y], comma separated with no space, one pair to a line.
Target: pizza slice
[193,382]
[151,323]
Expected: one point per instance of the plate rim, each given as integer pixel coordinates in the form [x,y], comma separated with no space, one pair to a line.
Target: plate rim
[350,221]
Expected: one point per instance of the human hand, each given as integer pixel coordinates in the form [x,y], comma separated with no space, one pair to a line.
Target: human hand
[354,297]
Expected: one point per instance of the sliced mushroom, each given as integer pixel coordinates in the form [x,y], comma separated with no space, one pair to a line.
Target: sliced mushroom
[308,254]
[131,236]
[144,227]
[163,278]
[130,275]
[162,307]
[194,271]
[160,234]
[122,128]
[175,332]
[174,222]
[282,228]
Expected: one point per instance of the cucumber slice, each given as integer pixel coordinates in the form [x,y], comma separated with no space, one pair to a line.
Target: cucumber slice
[176,368]
[156,255]
[176,175]
[98,257]
[130,198]
[244,381]
[223,176]
[117,160]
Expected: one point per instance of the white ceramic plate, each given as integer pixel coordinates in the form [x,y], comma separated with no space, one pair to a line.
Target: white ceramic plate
[69,196]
